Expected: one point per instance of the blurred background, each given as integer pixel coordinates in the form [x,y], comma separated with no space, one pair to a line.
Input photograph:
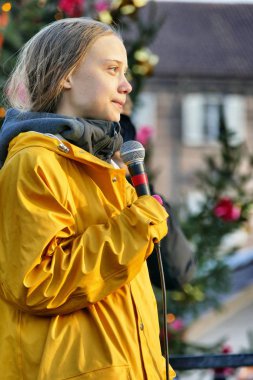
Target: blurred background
[191,67]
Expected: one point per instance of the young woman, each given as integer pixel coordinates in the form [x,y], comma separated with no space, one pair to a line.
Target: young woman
[75,296]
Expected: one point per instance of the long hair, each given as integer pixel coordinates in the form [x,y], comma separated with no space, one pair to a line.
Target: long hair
[36,82]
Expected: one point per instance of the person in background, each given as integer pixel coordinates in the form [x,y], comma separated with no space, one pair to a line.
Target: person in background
[245,373]
[75,295]
[178,258]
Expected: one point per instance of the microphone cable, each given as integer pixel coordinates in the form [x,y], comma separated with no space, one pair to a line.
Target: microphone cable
[164,302]
[132,154]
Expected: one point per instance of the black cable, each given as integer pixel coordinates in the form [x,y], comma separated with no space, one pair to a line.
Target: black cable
[165,326]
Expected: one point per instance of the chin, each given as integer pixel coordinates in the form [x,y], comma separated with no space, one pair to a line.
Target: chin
[113,118]
[116,119]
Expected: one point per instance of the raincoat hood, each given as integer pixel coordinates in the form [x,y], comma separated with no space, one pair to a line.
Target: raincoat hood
[98,137]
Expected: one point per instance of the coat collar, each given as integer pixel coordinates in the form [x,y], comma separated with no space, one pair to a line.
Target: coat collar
[61,147]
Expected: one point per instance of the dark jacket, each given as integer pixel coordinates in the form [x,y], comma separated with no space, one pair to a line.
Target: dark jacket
[177,256]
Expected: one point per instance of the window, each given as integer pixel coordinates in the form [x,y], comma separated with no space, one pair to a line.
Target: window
[201,117]
[145,113]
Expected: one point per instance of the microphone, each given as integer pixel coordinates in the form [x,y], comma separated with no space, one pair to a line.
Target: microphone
[132,154]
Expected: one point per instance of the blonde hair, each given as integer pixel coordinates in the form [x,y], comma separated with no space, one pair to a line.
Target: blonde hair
[36,82]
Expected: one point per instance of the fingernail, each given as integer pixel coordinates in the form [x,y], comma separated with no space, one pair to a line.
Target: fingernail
[158,198]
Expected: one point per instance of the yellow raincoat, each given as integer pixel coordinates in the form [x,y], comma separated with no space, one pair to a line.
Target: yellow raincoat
[75,298]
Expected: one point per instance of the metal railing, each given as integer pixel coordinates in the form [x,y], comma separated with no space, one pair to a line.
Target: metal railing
[198,362]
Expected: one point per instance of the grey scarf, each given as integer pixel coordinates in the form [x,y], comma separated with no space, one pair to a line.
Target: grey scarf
[98,137]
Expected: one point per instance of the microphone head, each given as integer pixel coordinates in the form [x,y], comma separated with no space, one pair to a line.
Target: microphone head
[131,152]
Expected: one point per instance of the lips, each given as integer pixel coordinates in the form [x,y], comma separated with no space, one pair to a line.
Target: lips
[120,103]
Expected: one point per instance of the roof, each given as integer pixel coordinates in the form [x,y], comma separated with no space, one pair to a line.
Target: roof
[213,40]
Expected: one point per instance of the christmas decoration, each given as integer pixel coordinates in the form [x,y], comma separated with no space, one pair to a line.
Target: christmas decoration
[226,210]
[72,8]
[223,373]
[145,135]
[19,21]
[226,204]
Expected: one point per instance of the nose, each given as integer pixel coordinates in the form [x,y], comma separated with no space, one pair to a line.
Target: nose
[125,87]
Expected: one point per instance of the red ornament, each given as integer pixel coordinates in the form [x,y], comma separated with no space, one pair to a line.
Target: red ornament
[226,349]
[101,6]
[226,210]
[72,8]
[145,134]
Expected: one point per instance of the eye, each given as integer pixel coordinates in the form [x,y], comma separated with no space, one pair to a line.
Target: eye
[114,69]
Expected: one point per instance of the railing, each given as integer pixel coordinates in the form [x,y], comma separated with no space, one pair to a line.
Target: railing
[197,362]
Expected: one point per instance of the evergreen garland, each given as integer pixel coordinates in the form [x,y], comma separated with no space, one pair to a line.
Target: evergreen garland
[226,207]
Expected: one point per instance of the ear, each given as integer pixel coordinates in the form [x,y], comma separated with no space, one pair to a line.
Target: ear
[67,83]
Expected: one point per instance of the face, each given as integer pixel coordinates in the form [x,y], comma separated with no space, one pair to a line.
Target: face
[97,88]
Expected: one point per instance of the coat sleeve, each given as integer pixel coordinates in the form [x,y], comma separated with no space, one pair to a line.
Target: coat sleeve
[47,269]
